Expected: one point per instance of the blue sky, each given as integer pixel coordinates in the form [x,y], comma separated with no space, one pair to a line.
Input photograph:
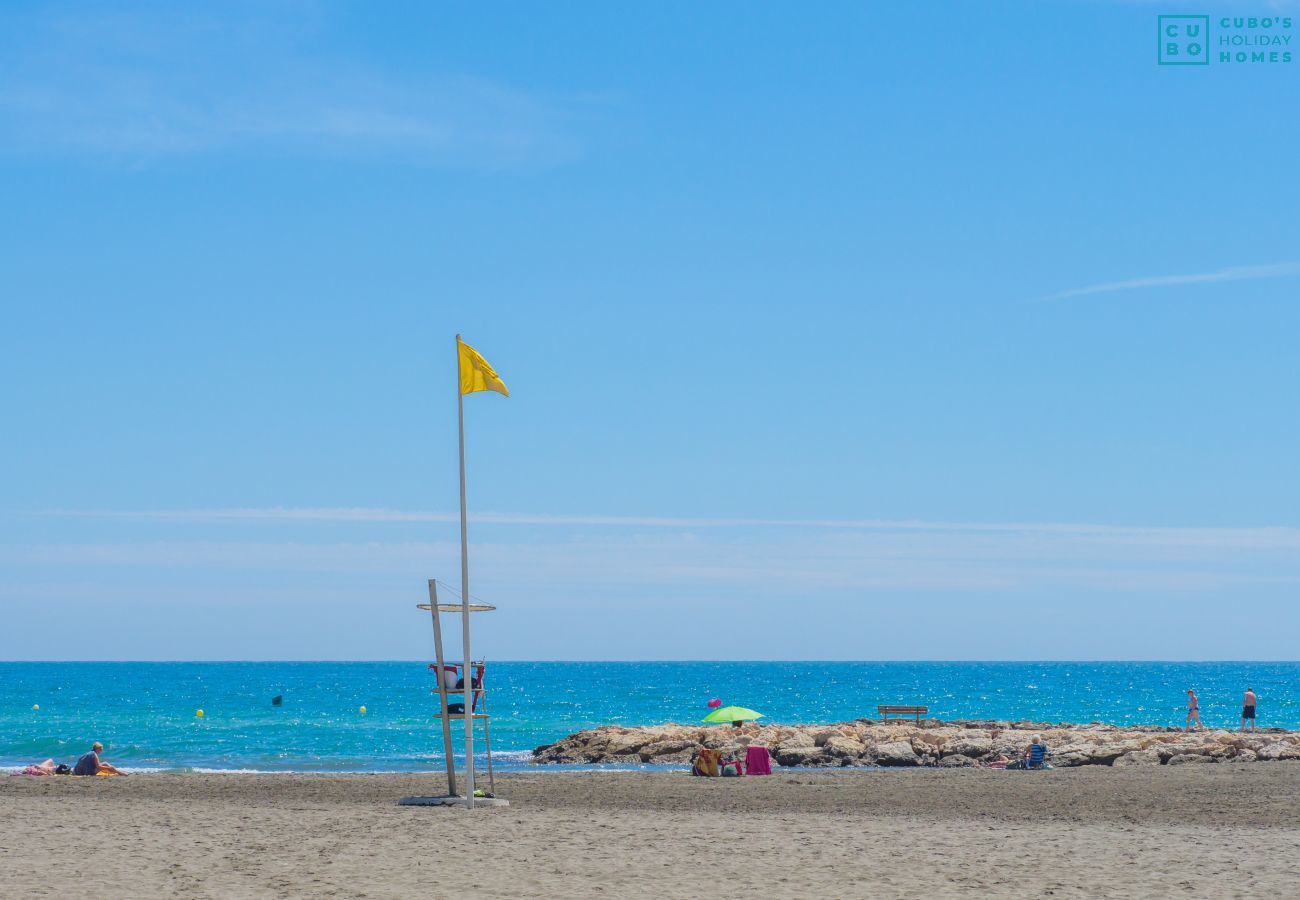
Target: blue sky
[857,331]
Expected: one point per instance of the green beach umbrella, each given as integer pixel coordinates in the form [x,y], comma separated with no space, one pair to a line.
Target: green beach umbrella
[732,714]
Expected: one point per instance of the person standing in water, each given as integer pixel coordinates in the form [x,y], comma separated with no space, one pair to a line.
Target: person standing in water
[1248,709]
[1193,710]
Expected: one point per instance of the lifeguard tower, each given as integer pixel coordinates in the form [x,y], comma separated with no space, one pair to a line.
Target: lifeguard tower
[471,710]
[473,375]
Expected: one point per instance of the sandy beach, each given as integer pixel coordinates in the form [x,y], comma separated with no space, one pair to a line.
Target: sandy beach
[1225,830]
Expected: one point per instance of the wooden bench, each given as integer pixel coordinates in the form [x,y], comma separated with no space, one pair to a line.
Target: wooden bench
[918,711]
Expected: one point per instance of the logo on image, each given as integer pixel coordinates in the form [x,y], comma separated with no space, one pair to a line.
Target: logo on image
[1186,40]
[1183,40]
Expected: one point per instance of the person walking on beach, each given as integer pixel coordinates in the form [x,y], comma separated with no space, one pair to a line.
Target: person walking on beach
[91,764]
[1193,710]
[1248,709]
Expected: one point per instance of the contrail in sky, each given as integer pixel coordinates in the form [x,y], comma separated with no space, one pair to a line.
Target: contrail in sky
[1234,273]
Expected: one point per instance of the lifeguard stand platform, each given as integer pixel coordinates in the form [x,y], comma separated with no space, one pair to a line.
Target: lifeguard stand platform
[473,690]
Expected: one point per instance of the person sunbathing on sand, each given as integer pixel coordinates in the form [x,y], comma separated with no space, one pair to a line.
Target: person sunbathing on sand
[91,764]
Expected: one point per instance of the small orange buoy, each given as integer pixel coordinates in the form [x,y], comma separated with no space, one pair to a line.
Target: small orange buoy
[362,710]
[36,706]
[198,713]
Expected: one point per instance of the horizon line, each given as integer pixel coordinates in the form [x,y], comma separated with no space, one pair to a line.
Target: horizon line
[396,661]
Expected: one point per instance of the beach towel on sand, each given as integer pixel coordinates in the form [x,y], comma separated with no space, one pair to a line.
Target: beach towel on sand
[758,761]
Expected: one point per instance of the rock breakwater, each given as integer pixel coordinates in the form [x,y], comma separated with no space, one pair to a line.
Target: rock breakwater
[931,743]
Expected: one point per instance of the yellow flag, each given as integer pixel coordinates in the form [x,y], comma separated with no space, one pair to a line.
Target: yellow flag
[476,374]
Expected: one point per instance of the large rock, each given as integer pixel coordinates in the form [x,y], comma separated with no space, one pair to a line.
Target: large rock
[1106,753]
[975,746]
[1185,758]
[957,761]
[669,751]
[896,753]
[1149,757]
[1179,748]
[797,739]
[1072,755]
[623,743]
[928,741]
[801,756]
[821,736]
[1278,750]
[845,747]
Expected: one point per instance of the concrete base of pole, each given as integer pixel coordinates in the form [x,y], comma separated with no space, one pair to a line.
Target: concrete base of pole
[479,802]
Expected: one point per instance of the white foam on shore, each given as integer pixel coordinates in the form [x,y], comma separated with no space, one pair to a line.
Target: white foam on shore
[129,770]
[513,758]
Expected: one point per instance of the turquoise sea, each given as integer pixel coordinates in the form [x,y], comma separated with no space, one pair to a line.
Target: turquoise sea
[144,713]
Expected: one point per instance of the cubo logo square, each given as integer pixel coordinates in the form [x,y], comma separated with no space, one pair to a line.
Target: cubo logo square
[1183,40]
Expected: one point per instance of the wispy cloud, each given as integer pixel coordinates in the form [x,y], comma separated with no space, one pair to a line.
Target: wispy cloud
[1234,273]
[1190,536]
[139,86]
[797,563]
[625,554]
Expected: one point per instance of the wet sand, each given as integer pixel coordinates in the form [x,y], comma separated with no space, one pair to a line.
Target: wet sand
[1228,830]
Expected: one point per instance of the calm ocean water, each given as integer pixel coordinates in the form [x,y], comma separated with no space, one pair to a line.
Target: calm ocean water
[144,712]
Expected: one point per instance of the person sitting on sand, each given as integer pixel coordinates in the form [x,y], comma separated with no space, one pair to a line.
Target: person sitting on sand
[1248,709]
[1193,710]
[1035,754]
[91,764]
[706,763]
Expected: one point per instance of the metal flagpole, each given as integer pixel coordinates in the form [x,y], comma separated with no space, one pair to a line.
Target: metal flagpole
[468,660]
[442,687]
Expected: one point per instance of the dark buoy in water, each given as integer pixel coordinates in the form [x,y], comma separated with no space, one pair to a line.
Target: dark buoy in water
[277,700]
